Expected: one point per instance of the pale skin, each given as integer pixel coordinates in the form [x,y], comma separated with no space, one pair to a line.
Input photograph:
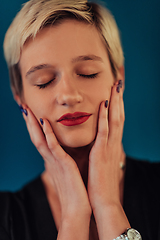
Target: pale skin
[82,173]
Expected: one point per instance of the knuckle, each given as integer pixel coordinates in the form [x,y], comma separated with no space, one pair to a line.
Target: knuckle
[38,142]
[103,133]
[122,118]
[122,121]
[112,142]
[53,146]
[116,122]
[38,145]
[110,145]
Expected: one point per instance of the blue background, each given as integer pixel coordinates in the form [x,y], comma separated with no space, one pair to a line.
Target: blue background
[140,29]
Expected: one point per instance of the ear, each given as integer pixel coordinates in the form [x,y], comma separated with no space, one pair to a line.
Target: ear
[121,73]
[18,99]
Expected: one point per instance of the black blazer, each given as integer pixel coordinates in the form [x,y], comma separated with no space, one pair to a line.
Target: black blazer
[26,215]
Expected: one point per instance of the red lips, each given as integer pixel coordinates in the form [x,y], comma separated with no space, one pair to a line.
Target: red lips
[72,119]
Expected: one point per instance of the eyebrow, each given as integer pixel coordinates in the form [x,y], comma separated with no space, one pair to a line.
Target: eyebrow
[74,60]
[86,58]
[38,67]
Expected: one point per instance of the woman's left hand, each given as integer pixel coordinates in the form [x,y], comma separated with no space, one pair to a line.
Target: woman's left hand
[105,174]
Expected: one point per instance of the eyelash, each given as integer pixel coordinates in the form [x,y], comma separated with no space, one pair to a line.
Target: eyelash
[42,86]
[94,75]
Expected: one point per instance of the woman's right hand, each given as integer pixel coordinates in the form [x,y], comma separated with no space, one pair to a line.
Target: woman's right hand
[65,177]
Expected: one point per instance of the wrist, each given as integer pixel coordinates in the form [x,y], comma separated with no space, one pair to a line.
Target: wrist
[82,211]
[76,215]
[107,209]
[111,222]
[74,226]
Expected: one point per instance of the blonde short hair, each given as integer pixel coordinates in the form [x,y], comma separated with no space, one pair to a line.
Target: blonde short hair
[37,14]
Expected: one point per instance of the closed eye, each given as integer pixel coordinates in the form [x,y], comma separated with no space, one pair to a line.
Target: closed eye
[44,85]
[94,75]
[41,86]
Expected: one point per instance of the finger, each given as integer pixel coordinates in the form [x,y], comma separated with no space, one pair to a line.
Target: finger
[36,134]
[52,142]
[115,111]
[122,113]
[102,134]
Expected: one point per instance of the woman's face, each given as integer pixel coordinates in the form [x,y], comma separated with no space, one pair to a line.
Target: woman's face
[66,69]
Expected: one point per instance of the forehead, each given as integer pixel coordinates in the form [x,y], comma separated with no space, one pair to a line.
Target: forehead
[62,42]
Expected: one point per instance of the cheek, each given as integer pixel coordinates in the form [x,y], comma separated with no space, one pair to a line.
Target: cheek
[38,103]
[100,94]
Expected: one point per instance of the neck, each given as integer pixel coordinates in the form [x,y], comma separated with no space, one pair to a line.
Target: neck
[81,157]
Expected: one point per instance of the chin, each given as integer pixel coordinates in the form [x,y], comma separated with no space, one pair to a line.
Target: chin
[80,141]
[75,144]
[75,137]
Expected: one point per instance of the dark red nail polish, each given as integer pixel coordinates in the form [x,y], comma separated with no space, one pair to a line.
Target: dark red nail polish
[106,103]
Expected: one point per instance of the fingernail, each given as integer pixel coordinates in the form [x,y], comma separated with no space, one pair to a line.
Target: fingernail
[25,112]
[21,108]
[41,121]
[106,103]
[118,88]
[120,83]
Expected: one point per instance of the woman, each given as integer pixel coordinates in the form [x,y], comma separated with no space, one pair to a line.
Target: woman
[67,75]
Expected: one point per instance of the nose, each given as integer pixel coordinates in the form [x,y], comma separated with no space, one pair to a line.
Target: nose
[68,93]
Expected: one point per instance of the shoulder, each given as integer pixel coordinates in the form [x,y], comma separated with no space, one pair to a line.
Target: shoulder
[143,169]
[5,204]
[15,207]
[19,198]
[144,177]
[26,214]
